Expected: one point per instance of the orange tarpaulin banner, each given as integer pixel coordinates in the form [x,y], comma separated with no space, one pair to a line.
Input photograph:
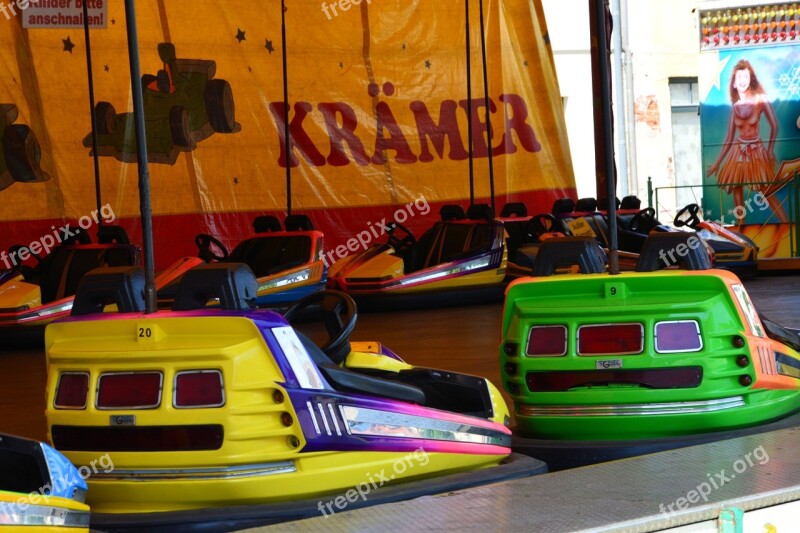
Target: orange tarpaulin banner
[378,115]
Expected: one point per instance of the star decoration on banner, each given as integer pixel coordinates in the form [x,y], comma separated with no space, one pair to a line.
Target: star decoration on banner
[427,63]
[240,35]
[268,46]
[68,45]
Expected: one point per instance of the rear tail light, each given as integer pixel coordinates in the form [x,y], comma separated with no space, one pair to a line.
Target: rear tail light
[136,390]
[611,339]
[547,341]
[678,336]
[199,388]
[73,387]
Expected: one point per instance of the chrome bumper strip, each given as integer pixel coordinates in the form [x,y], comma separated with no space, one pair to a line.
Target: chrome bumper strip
[243,471]
[672,408]
[373,422]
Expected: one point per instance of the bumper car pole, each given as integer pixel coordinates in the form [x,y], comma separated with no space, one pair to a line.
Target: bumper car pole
[487,103]
[286,136]
[608,134]
[470,142]
[96,156]
[141,149]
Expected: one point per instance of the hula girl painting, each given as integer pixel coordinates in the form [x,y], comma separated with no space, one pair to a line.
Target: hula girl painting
[744,159]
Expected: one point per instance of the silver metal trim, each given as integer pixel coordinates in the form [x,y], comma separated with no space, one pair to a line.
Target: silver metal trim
[324,419]
[34,515]
[229,472]
[205,371]
[641,409]
[346,425]
[377,423]
[768,363]
[313,417]
[335,421]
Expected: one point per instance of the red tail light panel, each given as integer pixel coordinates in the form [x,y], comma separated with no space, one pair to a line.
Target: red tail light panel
[131,390]
[547,341]
[72,390]
[196,389]
[611,339]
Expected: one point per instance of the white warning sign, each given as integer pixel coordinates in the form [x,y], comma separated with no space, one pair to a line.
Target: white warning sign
[62,13]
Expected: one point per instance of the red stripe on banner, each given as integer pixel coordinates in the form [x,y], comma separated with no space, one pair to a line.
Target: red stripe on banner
[174,234]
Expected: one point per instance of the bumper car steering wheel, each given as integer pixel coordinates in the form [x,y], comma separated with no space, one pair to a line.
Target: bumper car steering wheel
[644,221]
[539,225]
[204,242]
[688,216]
[339,314]
[20,268]
[399,243]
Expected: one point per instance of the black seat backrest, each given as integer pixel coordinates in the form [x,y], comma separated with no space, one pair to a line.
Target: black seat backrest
[234,284]
[514,209]
[77,237]
[298,223]
[584,252]
[585,205]
[480,212]
[563,205]
[416,256]
[23,468]
[631,202]
[66,265]
[266,223]
[452,242]
[684,249]
[123,286]
[112,235]
[267,255]
[599,225]
[452,212]
[602,204]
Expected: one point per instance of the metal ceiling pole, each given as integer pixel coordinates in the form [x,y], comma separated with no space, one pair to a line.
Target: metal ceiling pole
[97,191]
[607,132]
[619,100]
[469,110]
[487,102]
[141,153]
[287,138]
